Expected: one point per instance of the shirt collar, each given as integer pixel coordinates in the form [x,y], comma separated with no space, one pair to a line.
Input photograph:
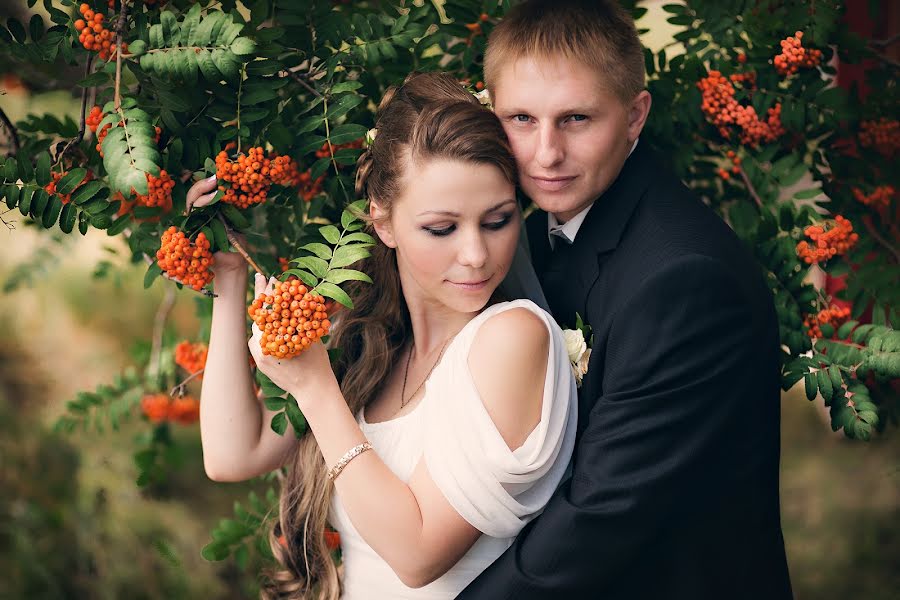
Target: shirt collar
[568,230]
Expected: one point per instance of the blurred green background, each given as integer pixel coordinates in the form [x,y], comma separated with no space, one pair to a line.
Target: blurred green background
[73,524]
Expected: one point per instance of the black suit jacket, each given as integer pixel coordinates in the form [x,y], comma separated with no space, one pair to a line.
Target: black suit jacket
[674,491]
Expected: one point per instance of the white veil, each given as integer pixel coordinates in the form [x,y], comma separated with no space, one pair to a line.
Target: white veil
[521,282]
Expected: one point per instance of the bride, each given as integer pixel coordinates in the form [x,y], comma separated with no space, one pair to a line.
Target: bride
[449,418]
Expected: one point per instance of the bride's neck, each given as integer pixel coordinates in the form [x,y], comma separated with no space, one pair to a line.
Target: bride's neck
[433,325]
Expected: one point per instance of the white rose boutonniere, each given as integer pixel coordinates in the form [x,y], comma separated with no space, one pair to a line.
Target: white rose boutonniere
[577,346]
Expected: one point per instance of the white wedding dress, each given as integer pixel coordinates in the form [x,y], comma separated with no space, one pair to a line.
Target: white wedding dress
[495,489]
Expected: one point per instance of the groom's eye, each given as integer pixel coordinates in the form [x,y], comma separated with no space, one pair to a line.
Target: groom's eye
[521,118]
[578,117]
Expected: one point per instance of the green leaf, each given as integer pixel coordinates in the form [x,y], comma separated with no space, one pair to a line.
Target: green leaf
[234,216]
[279,423]
[343,105]
[332,291]
[243,46]
[342,275]
[296,418]
[330,233]
[275,404]
[153,271]
[318,266]
[137,48]
[825,387]
[320,250]
[345,86]
[305,276]
[86,192]
[67,218]
[812,388]
[347,255]
[214,552]
[42,172]
[358,236]
[348,132]
[220,237]
[268,386]
[67,184]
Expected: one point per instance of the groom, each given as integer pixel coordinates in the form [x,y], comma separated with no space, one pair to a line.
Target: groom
[674,489]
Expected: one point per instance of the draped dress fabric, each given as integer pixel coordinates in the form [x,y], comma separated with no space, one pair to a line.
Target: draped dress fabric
[495,489]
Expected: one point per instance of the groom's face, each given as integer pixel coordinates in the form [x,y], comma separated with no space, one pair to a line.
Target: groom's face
[569,133]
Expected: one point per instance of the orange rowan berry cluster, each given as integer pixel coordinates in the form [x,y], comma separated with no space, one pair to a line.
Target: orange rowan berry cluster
[307,188]
[723,111]
[735,165]
[880,198]
[794,55]
[191,356]
[159,408]
[829,239]
[50,188]
[283,264]
[186,262]
[251,175]
[93,119]
[883,135]
[833,315]
[323,152]
[94,36]
[159,191]
[291,319]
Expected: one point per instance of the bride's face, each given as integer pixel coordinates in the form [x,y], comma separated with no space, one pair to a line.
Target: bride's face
[455,228]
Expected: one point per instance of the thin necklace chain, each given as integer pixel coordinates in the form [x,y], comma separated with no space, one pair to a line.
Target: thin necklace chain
[403,399]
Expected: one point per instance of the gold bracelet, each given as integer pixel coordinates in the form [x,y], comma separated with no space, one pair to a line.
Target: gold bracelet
[352,453]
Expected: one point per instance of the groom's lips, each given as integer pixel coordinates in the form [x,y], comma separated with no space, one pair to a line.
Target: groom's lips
[552,184]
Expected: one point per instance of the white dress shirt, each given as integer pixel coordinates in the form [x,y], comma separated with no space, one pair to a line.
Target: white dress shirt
[568,230]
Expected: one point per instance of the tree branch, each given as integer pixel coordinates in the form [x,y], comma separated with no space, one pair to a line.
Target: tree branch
[229,232]
[179,389]
[885,42]
[13,134]
[751,189]
[84,96]
[299,78]
[870,227]
[120,29]
[159,325]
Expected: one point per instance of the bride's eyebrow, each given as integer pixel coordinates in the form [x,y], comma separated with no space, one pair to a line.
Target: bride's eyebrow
[450,213]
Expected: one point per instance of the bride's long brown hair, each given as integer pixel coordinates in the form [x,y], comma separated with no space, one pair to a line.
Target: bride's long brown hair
[429,116]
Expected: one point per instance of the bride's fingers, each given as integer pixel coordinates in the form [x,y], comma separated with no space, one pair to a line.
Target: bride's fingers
[259,284]
[203,189]
[270,287]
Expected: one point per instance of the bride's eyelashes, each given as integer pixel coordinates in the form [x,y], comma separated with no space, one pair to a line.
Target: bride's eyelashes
[492,226]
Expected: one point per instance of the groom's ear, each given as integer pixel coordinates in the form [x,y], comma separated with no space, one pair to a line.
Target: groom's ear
[637,114]
[382,224]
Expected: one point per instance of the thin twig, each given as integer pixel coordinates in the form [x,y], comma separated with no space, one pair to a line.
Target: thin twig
[13,134]
[885,42]
[229,233]
[84,97]
[159,325]
[179,389]
[9,224]
[870,227]
[120,29]
[751,189]
[299,78]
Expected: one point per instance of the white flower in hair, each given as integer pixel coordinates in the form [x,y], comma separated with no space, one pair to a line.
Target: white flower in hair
[370,136]
[484,97]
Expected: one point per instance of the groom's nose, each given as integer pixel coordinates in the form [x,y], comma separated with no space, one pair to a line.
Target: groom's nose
[550,149]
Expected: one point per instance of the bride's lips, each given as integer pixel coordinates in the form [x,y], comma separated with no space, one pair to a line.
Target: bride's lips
[552,184]
[470,285]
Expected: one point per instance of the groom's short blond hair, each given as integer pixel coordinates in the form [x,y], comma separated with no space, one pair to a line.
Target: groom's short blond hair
[599,33]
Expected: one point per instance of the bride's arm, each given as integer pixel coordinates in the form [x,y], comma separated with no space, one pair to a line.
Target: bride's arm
[412,526]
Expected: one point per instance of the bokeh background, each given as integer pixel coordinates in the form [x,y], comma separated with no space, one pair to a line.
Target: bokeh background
[73,524]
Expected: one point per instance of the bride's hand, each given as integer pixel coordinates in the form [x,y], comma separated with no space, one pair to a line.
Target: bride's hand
[298,375]
[199,195]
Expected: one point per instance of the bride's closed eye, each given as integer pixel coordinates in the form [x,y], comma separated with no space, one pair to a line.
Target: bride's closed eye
[491,225]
